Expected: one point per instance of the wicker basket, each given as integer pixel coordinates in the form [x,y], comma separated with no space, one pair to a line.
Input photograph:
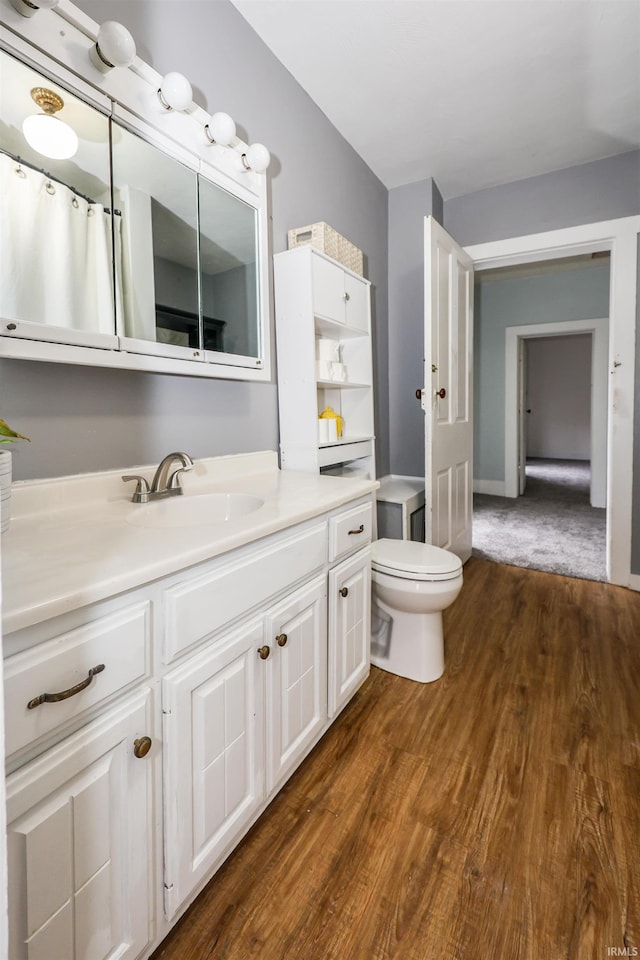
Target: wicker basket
[329,241]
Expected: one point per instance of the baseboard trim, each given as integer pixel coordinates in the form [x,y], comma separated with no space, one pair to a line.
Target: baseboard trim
[634,581]
[495,488]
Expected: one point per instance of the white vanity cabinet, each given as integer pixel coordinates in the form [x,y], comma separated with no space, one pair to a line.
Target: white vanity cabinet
[323,310]
[238,717]
[79,801]
[185,705]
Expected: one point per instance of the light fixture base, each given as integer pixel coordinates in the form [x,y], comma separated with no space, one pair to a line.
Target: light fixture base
[25,8]
[48,101]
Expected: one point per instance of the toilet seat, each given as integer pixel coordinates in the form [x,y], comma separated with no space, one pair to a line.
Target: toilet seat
[411,560]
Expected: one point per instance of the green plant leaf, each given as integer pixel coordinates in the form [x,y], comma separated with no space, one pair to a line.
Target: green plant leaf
[9,434]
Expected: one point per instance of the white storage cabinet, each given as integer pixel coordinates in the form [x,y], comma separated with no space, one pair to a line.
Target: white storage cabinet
[318,299]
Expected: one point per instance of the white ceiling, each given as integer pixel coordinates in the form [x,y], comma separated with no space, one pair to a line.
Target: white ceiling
[470,92]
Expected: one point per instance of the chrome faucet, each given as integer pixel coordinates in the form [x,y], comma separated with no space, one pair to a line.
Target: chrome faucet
[164,483]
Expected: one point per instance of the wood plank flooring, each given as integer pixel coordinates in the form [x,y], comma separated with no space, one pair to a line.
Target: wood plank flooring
[492,815]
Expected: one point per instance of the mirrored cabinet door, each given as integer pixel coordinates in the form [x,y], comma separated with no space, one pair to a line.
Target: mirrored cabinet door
[155,197]
[56,272]
[229,274]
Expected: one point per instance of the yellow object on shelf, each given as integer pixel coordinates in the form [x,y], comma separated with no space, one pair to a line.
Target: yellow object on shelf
[329,414]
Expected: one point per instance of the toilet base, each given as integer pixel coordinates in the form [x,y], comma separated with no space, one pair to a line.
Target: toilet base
[408,644]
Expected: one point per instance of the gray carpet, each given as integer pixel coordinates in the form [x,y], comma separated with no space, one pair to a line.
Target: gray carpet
[552,527]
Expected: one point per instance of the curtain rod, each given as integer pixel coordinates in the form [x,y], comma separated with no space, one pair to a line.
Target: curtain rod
[26,163]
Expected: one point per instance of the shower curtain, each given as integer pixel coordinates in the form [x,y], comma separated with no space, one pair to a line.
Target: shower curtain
[56,263]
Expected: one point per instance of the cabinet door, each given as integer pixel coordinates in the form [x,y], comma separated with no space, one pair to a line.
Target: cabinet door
[349,628]
[214,758]
[296,632]
[328,290]
[78,845]
[357,303]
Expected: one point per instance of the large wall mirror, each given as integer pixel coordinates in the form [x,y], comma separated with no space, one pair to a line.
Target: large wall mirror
[55,217]
[125,248]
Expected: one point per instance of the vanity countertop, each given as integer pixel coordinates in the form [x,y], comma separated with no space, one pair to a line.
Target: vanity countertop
[72,541]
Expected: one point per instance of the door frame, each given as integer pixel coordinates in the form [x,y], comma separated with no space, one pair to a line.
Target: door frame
[598,431]
[620,238]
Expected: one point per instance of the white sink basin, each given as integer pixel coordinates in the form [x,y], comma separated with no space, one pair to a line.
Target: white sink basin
[194,511]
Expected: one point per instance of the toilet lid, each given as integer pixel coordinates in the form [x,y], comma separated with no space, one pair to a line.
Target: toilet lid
[414,560]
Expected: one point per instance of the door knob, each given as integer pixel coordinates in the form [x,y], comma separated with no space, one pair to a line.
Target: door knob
[281,639]
[263,652]
[441,393]
[344,592]
[419,394]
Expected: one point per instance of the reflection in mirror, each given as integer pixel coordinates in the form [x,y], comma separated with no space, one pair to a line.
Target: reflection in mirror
[157,199]
[55,218]
[229,272]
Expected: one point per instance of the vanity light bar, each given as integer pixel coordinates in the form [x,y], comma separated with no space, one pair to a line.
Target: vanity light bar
[115,47]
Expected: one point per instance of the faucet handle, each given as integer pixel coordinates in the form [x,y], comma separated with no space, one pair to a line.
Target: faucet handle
[141,493]
[174,479]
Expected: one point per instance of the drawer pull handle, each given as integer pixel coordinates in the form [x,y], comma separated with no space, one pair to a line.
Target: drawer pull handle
[65,694]
[141,747]
[344,592]
[263,652]
[282,639]
[359,530]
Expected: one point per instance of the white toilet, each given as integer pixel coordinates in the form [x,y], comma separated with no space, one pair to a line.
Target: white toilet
[412,583]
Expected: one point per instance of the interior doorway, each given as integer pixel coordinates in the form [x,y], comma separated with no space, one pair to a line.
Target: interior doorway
[566,390]
[619,238]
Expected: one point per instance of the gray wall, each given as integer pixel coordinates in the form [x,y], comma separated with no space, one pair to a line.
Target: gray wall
[408,206]
[604,190]
[558,397]
[82,419]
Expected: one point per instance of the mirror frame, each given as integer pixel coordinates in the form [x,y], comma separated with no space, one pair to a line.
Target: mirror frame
[57,43]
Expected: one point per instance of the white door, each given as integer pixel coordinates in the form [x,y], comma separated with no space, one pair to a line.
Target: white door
[447,398]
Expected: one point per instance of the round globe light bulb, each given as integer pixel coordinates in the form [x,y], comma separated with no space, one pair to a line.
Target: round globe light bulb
[221,129]
[50,136]
[258,157]
[28,9]
[115,47]
[175,92]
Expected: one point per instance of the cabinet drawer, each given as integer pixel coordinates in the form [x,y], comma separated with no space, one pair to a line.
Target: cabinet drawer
[118,642]
[350,530]
[198,607]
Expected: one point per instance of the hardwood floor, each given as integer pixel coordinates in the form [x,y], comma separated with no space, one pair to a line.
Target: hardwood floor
[492,815]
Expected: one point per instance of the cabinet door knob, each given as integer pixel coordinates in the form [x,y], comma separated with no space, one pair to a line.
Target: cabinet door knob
[346,298]
[263,652]
[141,747]
[344,592]
[441,393]
[282,639]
